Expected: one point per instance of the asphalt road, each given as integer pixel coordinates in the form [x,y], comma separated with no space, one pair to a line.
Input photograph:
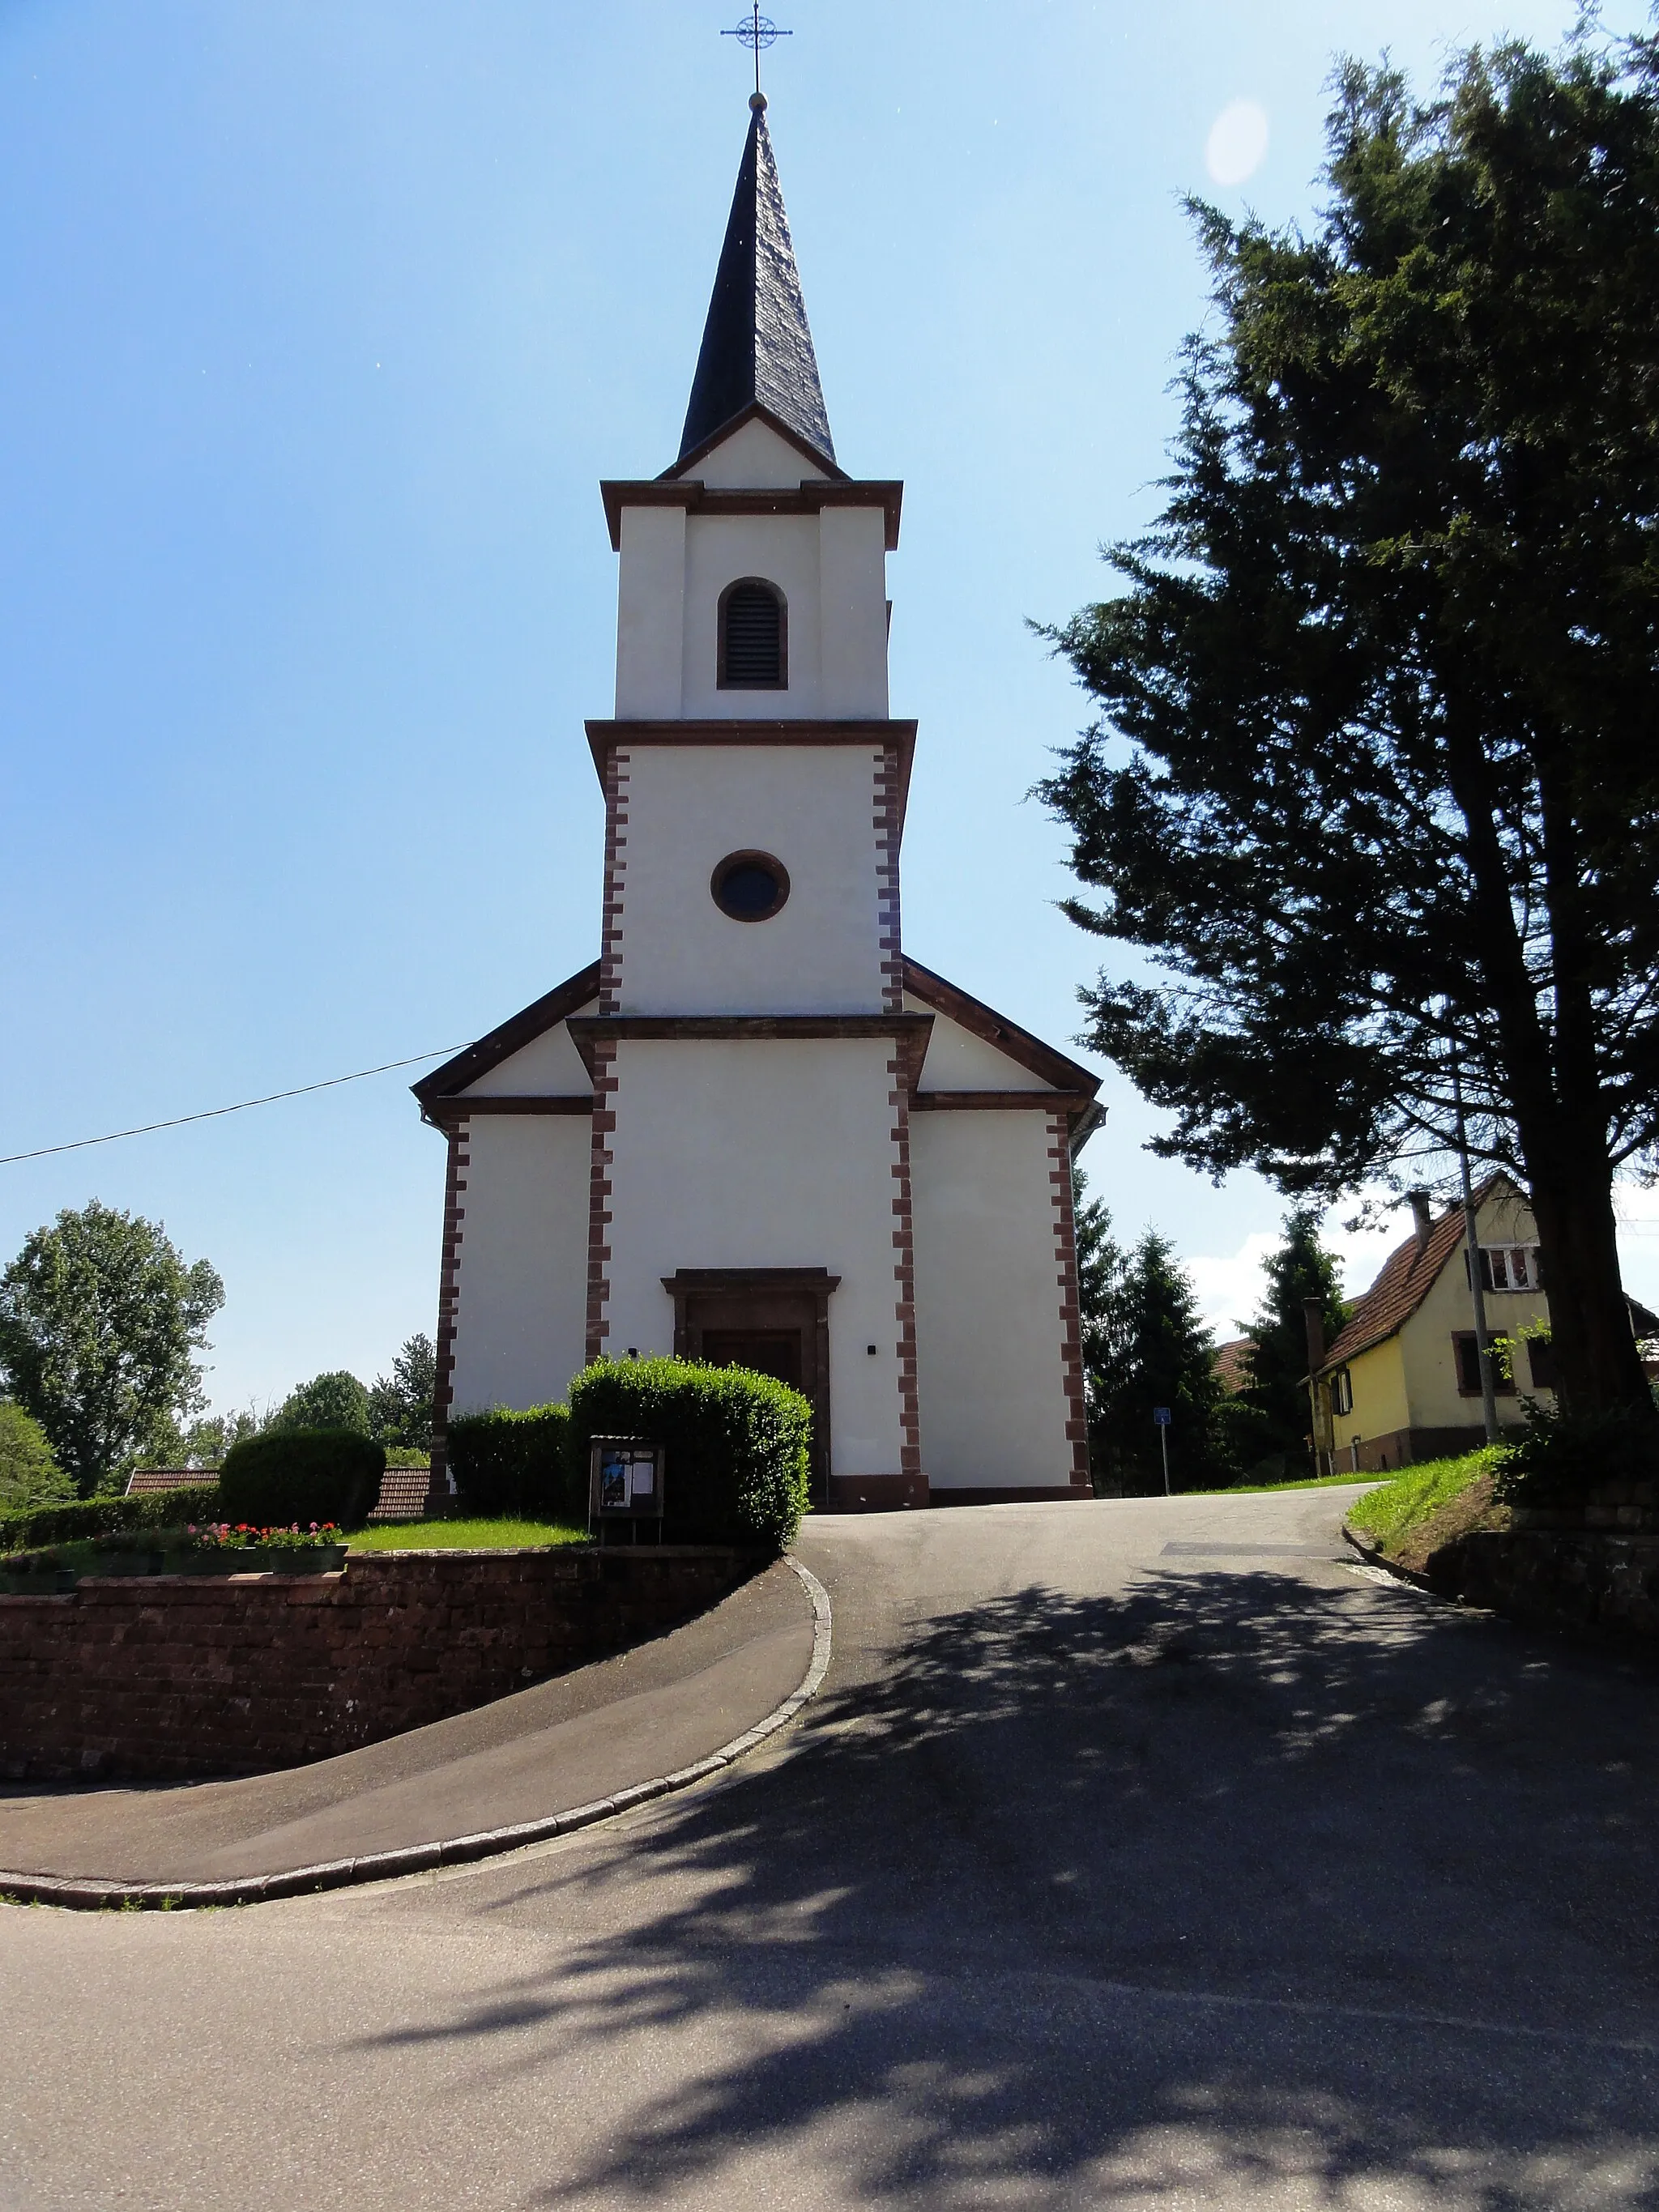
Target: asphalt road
[1134,1856]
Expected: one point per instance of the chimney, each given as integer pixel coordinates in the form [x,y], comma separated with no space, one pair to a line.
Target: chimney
[1313,1316]
[1422,1218]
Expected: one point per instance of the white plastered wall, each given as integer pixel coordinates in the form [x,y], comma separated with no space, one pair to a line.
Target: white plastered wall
[958,1061]
[651,612]
[522,1319]
[755,459]
[989,1339]
[784,550]
[731,1154]
[548,1067]
[811,807]
[830,567]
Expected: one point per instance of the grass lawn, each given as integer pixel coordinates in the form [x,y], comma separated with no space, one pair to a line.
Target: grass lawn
[463,1535]
[1388,1514]
[1272,1489]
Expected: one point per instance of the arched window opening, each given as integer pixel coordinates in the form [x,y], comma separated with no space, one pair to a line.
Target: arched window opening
[754,637]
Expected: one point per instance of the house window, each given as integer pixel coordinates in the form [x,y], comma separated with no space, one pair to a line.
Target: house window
[1507,1267]
[1468,1365]
[754,637]
[1342,1391]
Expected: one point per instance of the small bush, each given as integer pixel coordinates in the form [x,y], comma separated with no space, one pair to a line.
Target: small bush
[107,1517]
[519,1463]
[738,1444]
[1559,1456]
[301,1475]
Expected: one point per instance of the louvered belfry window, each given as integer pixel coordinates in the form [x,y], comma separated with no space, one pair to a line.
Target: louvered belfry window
[754,640]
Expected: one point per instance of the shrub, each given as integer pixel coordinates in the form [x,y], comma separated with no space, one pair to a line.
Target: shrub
[737,1444]
[303,1475]
[107,1517]
[1558,1456]
[510,1462]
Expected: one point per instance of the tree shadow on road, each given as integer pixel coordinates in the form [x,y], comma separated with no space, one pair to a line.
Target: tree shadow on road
[1237,1884]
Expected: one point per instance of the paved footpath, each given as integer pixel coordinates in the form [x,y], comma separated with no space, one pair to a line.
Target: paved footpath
[1140,1854]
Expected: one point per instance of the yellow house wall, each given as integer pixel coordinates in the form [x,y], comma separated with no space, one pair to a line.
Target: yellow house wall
[1429,1366]
[1380,1402]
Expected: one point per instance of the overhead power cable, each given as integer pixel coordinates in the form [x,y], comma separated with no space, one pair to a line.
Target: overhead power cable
[212,1113]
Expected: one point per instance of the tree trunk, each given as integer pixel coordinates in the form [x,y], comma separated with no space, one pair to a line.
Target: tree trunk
[1597,1361]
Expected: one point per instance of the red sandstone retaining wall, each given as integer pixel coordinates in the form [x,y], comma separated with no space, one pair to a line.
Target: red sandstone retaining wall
[178,1675]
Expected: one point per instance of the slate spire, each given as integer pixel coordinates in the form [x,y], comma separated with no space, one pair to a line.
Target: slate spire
[755,344]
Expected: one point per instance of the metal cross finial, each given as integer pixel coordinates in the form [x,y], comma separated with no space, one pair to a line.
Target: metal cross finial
[759,32]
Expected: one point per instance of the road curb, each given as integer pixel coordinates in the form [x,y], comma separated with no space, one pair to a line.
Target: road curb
[90,1896]
[1373,1557]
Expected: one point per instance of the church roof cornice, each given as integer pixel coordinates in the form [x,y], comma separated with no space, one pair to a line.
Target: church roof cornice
[603,737]
[810,497]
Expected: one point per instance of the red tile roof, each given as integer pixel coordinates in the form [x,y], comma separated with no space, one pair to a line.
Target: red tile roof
[1408,1277]
[1232,1364]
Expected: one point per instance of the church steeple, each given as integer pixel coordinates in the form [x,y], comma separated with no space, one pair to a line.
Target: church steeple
[757,347]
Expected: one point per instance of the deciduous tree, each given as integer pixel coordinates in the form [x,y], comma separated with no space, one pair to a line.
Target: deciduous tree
[99,1316]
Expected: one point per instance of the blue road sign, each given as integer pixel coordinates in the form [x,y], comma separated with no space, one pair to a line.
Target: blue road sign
[1161,1415]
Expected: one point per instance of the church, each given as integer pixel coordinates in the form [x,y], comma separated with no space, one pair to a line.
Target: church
[755,1131]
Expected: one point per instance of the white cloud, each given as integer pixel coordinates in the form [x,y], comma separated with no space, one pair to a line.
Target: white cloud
[1236,143]
[1230,1287]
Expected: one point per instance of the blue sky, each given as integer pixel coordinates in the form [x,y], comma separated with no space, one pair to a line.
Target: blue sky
[322,321]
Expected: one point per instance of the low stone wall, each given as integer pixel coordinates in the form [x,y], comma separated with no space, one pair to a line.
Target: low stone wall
[1557,1579]
[179,1676]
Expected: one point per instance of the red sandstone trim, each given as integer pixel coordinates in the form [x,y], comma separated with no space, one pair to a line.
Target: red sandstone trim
[449,1300]
[904,1273]
[617,766]
[889,824]
[602,1157]
[1071,1319]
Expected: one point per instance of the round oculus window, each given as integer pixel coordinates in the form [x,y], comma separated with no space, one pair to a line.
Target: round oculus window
[750,886]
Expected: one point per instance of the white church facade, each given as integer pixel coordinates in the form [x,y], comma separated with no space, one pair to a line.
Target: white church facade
[754,1131]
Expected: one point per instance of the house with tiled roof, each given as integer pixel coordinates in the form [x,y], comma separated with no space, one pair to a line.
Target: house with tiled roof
[1401,1381]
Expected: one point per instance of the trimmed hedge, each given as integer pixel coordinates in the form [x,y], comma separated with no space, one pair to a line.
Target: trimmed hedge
[301,1475]
[107,1517]
[738,1444]
[506,1461]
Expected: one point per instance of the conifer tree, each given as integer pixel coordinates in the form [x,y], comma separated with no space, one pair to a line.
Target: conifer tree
[1163,1355]
[1278,1358]
[1374,778]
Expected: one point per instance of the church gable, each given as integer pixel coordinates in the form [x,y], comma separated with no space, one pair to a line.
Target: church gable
[544,1072]
[975,1049]
[548,1065]
[755,455]
[958,1061]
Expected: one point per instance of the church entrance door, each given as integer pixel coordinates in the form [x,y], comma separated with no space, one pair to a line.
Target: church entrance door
[768,1351]
[776,1320]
